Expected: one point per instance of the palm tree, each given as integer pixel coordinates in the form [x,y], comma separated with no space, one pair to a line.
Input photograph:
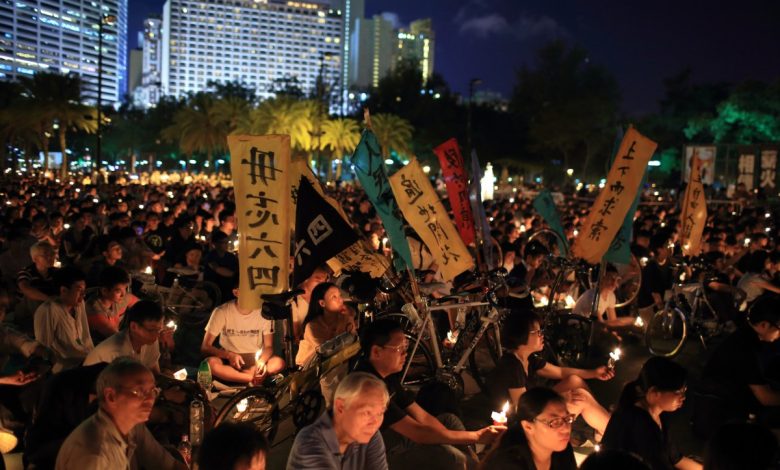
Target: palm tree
[197,129]
[341,136]
[392,132]
[231,111]
[280,116]
[79,118]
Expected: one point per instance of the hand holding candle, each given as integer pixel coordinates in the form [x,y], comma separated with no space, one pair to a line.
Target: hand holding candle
[499,418]
[614,356]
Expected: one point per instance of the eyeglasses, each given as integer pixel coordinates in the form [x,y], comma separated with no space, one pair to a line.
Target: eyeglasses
[539,332]
[400,348]
[556,423]
[152,393]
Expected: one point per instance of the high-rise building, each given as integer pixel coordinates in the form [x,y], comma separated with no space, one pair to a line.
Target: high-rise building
[373,48]
[419,45]
[252,41]
[149,91]
[352,11]
[62,36]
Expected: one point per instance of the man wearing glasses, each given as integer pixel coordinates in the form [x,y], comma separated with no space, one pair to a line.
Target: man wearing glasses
[138,339]
[413,437]
[115,436]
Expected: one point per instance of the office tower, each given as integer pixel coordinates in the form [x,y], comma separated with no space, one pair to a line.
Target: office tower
[149,91]
[253,41]
[62,36]
[351,11]
[373,48]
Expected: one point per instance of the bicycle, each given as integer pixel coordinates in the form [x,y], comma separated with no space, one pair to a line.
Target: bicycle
[186,299]
[296,392]
[687,309]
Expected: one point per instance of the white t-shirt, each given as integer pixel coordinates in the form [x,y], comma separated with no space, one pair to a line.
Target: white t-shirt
[118,345]
[67,336]
[585,302]
[241,334]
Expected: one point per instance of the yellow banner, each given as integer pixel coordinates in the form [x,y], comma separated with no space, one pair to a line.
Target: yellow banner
[608,212]
[359,256]
[261,169]
[694,211]
[425,213]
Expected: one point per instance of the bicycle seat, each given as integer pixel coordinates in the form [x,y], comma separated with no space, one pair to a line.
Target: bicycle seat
[281,298]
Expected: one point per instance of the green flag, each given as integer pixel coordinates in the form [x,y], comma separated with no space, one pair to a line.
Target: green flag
[545,206]
[370,170]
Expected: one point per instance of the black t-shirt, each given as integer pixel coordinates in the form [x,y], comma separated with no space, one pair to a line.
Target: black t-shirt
[655,279]
[156,239]
[632,429]
[400,397]
[512,458]
[509,373]
[734,365]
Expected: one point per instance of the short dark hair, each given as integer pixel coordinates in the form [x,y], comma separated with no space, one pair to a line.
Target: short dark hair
[67,276]
[230,444]
[111,276]
[143,311]
[378,333]
[517,327]
[614,458]
[765,308]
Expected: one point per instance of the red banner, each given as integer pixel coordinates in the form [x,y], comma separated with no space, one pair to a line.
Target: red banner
[457,181]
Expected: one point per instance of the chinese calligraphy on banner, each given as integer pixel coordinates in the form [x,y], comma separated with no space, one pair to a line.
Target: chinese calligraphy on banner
[768,168]
[260,166]
[457,181]
[747,169]
[694,212]
[607,213]
[426,214]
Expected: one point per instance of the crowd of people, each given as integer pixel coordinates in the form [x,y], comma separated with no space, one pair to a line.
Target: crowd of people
[88,361]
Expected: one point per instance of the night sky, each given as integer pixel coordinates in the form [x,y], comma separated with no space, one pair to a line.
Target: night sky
[641,43]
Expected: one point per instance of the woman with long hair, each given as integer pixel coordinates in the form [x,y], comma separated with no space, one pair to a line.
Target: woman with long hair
[539,437]
[638,424]
[326,318]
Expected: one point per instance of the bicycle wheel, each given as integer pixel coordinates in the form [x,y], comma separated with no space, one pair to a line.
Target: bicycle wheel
[254,405]
[631,280]
[568,337]
[666,333]
[422,367]
[485,356]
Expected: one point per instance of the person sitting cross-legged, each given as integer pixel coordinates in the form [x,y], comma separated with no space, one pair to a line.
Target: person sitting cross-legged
[116,436]
[241,334]
[413,437]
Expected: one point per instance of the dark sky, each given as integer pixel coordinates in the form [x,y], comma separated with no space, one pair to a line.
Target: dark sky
[641,43]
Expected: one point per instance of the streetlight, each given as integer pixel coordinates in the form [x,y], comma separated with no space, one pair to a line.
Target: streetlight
[105,20]
[472,84]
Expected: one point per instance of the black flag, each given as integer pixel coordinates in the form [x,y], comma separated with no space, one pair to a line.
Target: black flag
[320,232]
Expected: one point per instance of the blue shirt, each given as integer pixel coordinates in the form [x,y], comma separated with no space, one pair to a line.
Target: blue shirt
[316,447]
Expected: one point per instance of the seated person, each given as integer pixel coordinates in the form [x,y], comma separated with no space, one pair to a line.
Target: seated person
[126,393]
[221,265]
[241,334]
[110,255]
[139,338]
[759,276]
[606,314]
[300,306]
[106,309]
[413,438]
[521,366]
[538,437]
[35,284]
[521,279]
[734,372]
[347,436]
[61,323]
[639,425]
[233,446]
[326,318]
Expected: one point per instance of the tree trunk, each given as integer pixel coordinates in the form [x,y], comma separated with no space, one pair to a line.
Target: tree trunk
[45,155]
[63,147]
[132,161]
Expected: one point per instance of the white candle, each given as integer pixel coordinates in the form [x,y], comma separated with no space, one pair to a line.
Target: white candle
[639,322]
[499,418]
[172,325]
[570,303]
[242,405]
[180,374]
[148,270]
[614,356]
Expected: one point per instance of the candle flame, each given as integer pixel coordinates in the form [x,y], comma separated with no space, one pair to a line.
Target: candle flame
[258,354]
[570,303]
[148,270]
[639,322]
[180,374]
[615,354]
[242,405]
[505,408]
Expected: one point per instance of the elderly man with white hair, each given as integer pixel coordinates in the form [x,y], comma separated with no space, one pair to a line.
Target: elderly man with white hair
[346,437]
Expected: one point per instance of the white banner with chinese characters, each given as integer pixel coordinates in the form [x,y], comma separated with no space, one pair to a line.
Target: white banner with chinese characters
[747,170]
[260,166]
[424,211]
[694,212]
[768,169]
[705,153]
[608,212]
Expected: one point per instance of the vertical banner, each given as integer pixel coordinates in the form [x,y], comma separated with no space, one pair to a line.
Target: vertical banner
[608,212]
[425,213]
[260,166]
[705,153]
[694,212]
[475,198]
[747,170]
[457,181]
[545,206]
[768,169]
[370,170]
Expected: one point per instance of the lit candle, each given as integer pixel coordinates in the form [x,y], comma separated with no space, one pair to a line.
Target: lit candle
[747,241]
[235,245]
[148,270]
[66,226]
[576,232]
[172,325]
[522,228]
[639,322]
[242,405]
[597,448]
[767,215]
[544,301]
[259,354]
[570,303]
[614,356]
[57,264]
[180,374]
[499,418]
[452,337]
[95,200]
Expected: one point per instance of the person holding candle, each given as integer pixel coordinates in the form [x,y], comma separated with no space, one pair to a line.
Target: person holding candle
[326,318]
[606,314]
[106,309]
[538,439]
[242,333]
[521,367]
[639,425]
